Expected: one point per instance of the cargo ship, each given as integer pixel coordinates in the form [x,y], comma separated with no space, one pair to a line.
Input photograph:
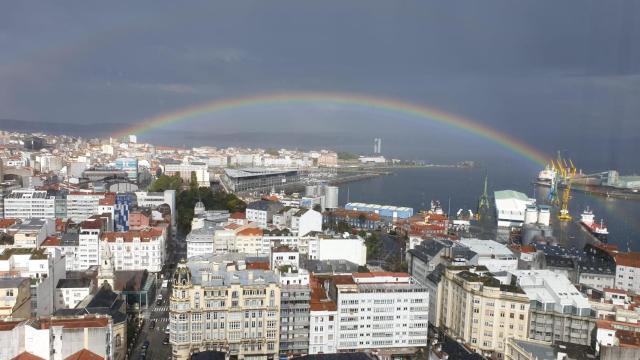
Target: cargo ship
[547,176]
[598,230]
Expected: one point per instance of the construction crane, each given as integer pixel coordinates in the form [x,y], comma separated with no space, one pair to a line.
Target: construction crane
[567,171]
[552,197]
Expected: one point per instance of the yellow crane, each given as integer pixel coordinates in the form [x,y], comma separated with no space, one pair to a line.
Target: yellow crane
[567,171]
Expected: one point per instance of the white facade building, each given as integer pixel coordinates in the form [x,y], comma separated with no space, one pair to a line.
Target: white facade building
[185,170]
[135,250]
[32,232]
[382,311]
[628,272]
[492,254]
[27,204]
[511,207]
[349,247]
[44,269]
[70,292]
[83,205]
[305,221]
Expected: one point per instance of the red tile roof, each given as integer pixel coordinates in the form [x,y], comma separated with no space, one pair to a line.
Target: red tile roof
[631,259]
[250,232]
[8,325]
[84,354]
[258,265]
[51,241]
[128,236]
[5,223]
[319,300]
[88,321]
[27,356]
[238,215]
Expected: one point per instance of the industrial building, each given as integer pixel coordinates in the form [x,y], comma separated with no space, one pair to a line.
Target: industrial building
[251,179]
[386,211]
[511,207]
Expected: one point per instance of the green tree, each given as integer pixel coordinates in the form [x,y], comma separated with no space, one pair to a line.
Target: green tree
[193,183]
[164,182]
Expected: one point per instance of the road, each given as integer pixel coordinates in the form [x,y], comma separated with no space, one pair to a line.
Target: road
[155,336]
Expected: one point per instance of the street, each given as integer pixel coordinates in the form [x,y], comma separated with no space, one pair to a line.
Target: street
[155,336]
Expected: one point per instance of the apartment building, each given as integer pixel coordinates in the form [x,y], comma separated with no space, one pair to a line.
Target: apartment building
[558,311]
[476,308]
[381,311]
[224,306]
[70,292]
[59,338]
[346,247]
[29,203]
[628,271]
[295,296]
[261,212]
[135,249]
[185,169]
[15,298]
[323,319]
[155,199]
[81,205]
[44,268]
[30,233]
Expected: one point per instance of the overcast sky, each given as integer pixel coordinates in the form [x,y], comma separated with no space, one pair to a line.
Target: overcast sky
[552,73]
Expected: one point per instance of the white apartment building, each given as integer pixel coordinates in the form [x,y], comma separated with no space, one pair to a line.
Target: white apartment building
[44,269]
[347,247]
[492,254]
[135,250]
[88,250]
[82,205]
[323,319]
[29,203]
[384,311]
[59,338]
[217,305]
[70,292]
[628,271]
[305,221]
[261,212]
[559,312]
[250,241]
[185,169]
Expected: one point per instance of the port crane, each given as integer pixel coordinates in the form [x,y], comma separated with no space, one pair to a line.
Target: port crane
[567,172]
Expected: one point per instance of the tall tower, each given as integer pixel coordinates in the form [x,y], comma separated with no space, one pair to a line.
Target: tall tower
[377,145]
[105,273]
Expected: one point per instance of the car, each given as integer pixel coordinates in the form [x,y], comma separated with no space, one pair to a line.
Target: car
[145,345]
[159,302]
[153,324]
[165,341]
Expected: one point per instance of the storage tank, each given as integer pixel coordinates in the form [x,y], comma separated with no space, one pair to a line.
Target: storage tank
[311,190]
[544,215]
[531,215]
[530,232]
[331,197]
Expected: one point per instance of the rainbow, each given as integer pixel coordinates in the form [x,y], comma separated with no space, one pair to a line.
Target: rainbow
[343,99]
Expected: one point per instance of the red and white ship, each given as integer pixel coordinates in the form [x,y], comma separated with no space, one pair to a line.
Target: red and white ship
[599,230]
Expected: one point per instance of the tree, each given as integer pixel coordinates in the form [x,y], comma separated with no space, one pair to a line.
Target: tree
[164,182]
[193,184]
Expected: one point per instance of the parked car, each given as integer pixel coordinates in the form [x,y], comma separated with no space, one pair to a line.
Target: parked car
[153,324]
[145,345]
[165,341]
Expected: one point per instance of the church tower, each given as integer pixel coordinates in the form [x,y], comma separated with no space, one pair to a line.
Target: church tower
[106,272]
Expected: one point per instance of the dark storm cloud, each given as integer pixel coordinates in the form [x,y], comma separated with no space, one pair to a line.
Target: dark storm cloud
[551,70]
